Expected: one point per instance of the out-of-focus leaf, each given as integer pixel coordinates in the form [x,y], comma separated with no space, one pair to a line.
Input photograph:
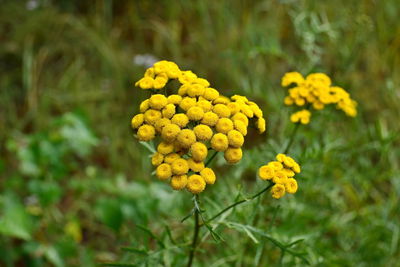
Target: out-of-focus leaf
[109,212]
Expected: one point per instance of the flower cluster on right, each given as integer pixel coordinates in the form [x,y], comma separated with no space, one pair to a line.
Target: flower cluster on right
[281,172]
[315,91]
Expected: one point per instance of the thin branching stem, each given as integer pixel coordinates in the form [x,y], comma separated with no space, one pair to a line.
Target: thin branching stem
[238,203]
[292,136]
[196,232]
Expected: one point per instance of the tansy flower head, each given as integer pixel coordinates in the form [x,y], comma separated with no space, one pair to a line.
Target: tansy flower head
[193,121]
[282,173]
[315,91]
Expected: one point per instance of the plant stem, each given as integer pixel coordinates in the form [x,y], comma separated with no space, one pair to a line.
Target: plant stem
[211,158]
[238,203]
[195,234]
[292,136]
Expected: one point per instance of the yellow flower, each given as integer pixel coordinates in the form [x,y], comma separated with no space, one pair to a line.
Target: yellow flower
[280,177]
[145,83]
[224,125]
[199,151]
[233,155]
[261,125]
[195,166]
[160,123]
[151,116]
[180,119]
[187,77]
[161,66]
[137,120]
[222,111]
[195,90]
[178,182]
[292,77]
[208,175]
[276,165]
[256,111]
[158,101]
[266,172]
[318,105]
[144,106]
[149,73]
[186,138]
[160,82]
[182,91]
[288,172]
[187,102]
[171,157]
[291,186]
[278,191]
[157,159]
[296,168]
[146,132]
[168,111]
[165,148]
[210,118]
[221,100]
[202,82]
[210,94]
[195,113]
[196,184]
[280,157]
[219,142]
[241,117]
[233,107]
[246,110]
[319,78]
[203,132]
[205,105]
[240,98]
[240,126]
[174,99]
[300,101]
[289,162]
[163,171]
[179,166]
[288,101]
[169,132]
[235,138]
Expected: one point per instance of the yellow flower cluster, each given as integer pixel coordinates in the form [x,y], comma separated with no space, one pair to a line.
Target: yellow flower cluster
[316,91]
[302,116]
[281,172]
[191,123]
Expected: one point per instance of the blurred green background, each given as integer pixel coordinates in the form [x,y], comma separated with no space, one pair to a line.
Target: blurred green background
[76,186]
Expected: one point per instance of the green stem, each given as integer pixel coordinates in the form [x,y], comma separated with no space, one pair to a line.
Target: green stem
[238,203]
[196,232]
[211,158]
[292,136]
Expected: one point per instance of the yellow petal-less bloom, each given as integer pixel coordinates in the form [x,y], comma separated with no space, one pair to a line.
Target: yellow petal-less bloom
[279,177]
[292,77]
[210,94]
[195,90]
[186,138]
[170,132]
[168,111]
[180,119]
[278,191]
[296,168]
[164,171]
[221,100]
[137,120]
[174,99]
[171,157]
[233,107]
[145,83]
[246,110]
[203,132]
[266,172]
[195,166]
[276,165]
[195,113]
[199,151]
[210,118]
[235,138]
[157,159]
[196,184]
[179,166]
[165,148]
[224,125]
[240,127]
[187,102]
[144,106]
[219,142]
[146,132]
[205,105]
[208,175]
[241,117]
[160,123]
[179,182]
[222,111]
[158,101]
[261,125]
[291,186]
[233,155]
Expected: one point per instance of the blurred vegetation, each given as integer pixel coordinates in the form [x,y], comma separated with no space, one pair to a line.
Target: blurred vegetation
[76,186]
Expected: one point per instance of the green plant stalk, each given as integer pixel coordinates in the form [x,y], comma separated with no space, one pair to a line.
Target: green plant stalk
[195,234]
[292,137]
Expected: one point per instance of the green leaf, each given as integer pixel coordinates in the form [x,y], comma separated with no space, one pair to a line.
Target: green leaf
[15,221]
[109,212]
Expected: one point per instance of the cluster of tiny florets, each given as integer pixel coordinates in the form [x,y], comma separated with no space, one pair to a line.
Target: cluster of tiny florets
[315,91]
[191,123]
[281,172]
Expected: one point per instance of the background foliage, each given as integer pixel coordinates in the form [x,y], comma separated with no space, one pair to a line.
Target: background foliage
[76,186]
